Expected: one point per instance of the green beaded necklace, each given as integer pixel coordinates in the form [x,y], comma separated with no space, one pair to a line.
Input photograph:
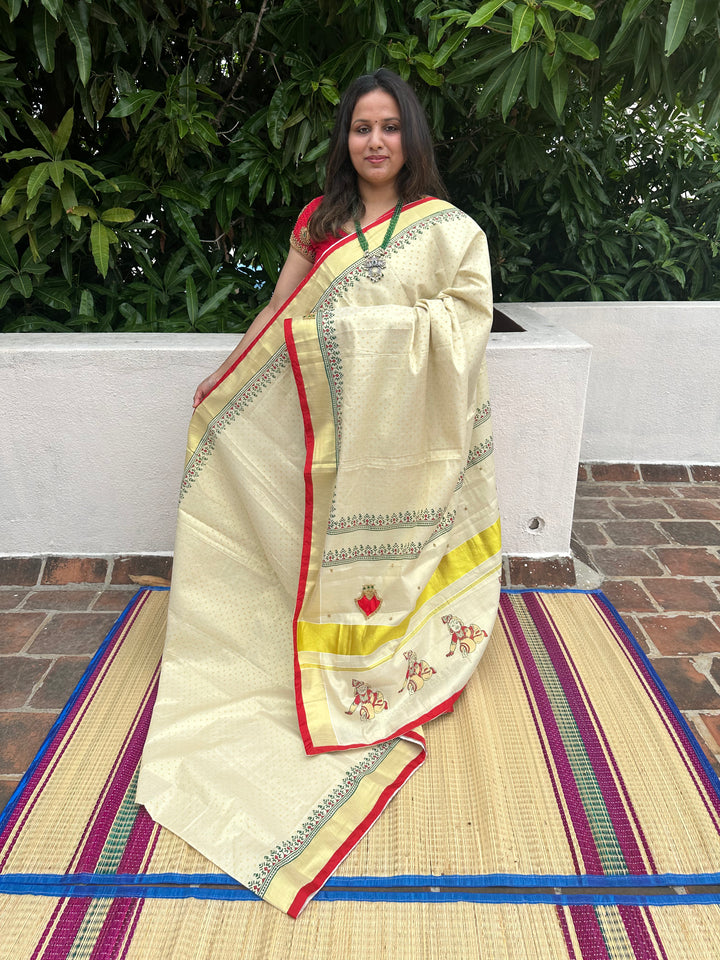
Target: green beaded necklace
[374,263]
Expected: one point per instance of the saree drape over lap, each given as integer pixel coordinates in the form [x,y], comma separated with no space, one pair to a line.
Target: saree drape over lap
[336,571]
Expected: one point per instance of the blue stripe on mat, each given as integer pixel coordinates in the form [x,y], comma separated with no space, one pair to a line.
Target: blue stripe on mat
[335,891]
[163,880]
[675,710]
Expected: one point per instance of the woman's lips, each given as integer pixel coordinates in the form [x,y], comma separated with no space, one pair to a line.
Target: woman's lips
[375,160]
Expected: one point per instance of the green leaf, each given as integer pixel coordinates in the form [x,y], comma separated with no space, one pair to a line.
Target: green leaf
[61,136]
[100,239]
[13,8]
[25,154]
[82,210]
[711,113]
[133,102]
[397,51]
[432,77]
[178,191]
[216,299]
[276,118]
[319,150]
[8,253]
[185,223]
[380,17]
[37,179]
[191,299]
[66,262]
[54,298]
[551,63]
[188,89]
[117,215]
[44,37]
[87,304]
[41,134]
[571,6]
[579,45]
[484,12]
[67,195]
[492,86]
[468,71]
[99,13]
[57,172]
[680,15]
[515,81]
[632,11]
[545,21]
[53,7]
[559,83]
[257,173]
[23,284]
[448,48]
[535,75]
[523,22]
[205,130]
[77,31]
[330,92]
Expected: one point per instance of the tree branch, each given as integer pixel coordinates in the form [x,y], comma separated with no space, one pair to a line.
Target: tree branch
[219,115]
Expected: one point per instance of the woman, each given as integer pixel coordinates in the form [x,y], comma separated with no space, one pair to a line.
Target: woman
[338,530]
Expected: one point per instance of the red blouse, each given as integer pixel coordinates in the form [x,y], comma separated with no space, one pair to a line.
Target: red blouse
[300,238]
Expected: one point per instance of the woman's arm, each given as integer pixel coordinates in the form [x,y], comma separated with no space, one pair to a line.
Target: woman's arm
[294,271]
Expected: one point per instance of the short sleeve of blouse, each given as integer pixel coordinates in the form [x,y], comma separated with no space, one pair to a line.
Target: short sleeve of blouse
[300,237]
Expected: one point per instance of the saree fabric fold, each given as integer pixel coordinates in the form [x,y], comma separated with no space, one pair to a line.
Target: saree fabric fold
[336,573]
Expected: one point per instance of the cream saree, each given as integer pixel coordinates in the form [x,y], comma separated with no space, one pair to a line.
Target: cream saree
[336,572]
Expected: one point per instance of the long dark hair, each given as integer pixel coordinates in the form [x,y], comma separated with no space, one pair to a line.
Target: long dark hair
[418,178]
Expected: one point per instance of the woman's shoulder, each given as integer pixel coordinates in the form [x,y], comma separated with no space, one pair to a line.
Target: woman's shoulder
[309,209]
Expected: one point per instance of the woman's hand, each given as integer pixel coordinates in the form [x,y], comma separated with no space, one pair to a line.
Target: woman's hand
[206,387]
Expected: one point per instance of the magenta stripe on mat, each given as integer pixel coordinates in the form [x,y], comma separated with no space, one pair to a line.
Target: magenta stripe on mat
[589,727]
[553,780]
[140,844]
[72,913]
[126,763]
[639,924]
[51,756]
[589,933]
[662,706]
[597,727]
[578,815]
[562,919]
[123,914]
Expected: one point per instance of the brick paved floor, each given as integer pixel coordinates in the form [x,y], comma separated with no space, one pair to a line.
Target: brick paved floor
[651,535]
[648,536]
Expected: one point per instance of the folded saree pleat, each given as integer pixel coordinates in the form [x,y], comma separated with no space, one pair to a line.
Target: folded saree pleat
[336,571]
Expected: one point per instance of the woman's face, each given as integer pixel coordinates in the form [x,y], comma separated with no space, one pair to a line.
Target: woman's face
[375,140]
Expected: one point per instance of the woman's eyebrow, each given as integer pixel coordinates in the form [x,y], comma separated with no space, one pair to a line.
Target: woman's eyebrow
[384,120]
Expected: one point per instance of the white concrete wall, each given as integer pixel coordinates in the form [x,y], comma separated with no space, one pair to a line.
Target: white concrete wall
[93,437]
[654,389]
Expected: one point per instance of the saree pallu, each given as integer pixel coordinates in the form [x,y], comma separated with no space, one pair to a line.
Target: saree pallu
[336,573]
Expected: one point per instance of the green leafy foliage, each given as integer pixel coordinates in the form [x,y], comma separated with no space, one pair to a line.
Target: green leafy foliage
[157,154]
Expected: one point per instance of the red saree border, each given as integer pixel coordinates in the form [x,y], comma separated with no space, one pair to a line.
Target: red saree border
[307,528]
[306,893]
[310,748]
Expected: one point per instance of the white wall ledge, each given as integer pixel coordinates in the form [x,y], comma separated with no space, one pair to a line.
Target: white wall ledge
[654,390]
[95,426]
